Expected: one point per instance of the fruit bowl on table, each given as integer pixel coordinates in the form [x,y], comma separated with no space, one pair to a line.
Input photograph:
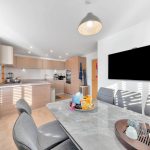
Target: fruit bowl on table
[79,107]
[88,109]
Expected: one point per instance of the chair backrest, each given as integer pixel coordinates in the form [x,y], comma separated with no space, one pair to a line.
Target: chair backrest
[129,100]
[23,106]
[25,133]
[147,106]
[106,95]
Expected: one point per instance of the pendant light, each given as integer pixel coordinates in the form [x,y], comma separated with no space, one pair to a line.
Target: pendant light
[90,25]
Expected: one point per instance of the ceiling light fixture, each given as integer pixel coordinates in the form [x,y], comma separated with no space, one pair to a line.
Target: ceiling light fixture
[90,25]
[51,51]
[31,47]
[66,54]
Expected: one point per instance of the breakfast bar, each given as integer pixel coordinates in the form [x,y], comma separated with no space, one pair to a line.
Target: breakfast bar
[93,130]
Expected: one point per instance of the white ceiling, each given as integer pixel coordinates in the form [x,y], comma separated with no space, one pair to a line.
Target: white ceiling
[52,24]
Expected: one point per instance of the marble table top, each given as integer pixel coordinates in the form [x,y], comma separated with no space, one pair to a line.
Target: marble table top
[93,130]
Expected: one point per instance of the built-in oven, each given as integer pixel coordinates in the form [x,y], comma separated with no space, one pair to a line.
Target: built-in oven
[68,76]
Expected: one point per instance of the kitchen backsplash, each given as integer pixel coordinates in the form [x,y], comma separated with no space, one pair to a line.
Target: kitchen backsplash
[33,73]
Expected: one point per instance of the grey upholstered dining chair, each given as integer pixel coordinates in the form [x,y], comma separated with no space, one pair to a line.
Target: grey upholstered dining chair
[27,137]
[129,100]
[106,95]
[23,106]
[147,106]
[52,129]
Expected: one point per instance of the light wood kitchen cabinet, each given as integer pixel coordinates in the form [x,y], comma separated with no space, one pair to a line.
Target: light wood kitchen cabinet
[15,61]
[58,65]
[36,95]
[47,64]
[68,64]
[67,88]
[8,99]
[59,86]
[37,63]
[40,95]
[53,64]
[73,64]
[29,63]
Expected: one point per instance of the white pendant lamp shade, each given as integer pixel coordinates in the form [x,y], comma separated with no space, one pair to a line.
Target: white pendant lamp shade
[90,25]
[6,55]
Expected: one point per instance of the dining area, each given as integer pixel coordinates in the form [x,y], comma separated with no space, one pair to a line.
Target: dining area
[97,129]
[114,122]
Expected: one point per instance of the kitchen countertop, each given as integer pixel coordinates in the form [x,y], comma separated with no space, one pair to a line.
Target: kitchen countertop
[93,130]
[25,83]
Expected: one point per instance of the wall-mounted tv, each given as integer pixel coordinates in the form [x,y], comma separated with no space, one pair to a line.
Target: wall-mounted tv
[130,65]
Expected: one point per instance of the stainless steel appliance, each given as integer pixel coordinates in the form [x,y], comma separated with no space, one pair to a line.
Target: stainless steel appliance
[10,78]
[68,76]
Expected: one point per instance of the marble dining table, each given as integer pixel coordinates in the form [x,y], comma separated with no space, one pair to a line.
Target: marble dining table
[93,130]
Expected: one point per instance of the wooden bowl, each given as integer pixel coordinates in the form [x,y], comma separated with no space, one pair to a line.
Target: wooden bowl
[90,109]
[143,141]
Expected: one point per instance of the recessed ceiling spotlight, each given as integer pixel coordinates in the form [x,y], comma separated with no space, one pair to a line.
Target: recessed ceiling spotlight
[51,51]
[29,52]
[66,54]
[60,56]
[31,47]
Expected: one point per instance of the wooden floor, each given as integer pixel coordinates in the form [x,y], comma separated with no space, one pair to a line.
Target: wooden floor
[63,97]
[41,116]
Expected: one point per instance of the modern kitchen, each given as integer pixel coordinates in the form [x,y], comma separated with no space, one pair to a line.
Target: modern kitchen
[37,80]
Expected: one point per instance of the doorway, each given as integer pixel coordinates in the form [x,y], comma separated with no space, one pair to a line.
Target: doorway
[94,78]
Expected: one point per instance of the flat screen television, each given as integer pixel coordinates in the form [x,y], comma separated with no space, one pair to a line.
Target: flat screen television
[130,65]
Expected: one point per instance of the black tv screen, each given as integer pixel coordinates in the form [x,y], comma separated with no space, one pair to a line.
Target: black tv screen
[131,65]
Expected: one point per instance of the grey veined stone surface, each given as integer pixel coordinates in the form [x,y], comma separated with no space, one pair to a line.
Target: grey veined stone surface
[93,130]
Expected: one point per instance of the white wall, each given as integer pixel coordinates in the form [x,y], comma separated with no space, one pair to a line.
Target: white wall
[32,73]
[135,36]
[89,58]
